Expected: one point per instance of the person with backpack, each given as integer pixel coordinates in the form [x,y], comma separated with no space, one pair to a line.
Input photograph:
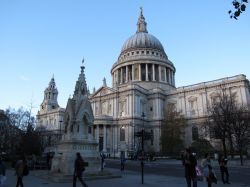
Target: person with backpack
[79,168]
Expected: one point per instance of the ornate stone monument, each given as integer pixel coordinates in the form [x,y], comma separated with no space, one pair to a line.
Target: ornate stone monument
[78,119]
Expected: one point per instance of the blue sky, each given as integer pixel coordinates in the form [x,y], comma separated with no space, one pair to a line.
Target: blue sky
[39,38]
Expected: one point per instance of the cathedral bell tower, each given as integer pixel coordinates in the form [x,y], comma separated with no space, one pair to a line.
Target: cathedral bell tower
[50,97]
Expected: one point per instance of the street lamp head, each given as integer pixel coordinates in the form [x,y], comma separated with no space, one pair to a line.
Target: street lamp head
[143,115]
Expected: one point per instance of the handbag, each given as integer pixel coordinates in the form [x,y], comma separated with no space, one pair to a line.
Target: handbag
[198,173]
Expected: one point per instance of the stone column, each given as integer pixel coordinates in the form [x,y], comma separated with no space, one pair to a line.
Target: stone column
[165,74]
[146,72]
[139,72]
[97,133]
[153,70]
[104,138]
[173,79]
[133,74]
[126,73]
[159,73]
[169,77]
[121,75]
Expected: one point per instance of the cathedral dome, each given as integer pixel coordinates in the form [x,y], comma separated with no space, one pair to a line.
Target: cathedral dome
[142,40]
[143,61]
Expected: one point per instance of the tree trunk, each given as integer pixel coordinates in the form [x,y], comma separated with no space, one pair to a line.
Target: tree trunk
[231,146]
[241,154]
[224,146]
[241,158]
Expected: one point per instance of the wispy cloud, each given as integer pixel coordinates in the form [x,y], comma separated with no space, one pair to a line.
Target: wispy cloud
[24,78]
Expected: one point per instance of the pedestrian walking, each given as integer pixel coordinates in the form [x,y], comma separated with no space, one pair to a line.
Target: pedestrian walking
[2,173]
[19,168]
[207,170]
[123,160]
[33,161]
[223,169]
[78,170]
[102,161]
[190,162]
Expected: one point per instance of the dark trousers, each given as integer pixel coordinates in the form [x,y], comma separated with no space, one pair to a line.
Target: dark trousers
[188,179]
[209,182]
[19,181]
[122,166]
[80,179]
[224,171]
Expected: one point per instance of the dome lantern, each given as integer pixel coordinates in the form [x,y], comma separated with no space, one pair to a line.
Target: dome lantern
[141,24]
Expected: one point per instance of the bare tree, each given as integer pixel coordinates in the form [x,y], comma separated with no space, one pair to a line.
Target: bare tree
[28,139]
[20,118]
[241,130]
[220,116]
[230,121]
[172,131]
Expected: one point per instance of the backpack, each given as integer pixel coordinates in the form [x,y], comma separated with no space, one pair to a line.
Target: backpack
[25,170]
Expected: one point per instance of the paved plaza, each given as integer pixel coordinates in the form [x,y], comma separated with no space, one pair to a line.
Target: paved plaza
[128,179]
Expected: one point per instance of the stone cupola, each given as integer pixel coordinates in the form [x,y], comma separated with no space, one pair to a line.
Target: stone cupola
[50,97]
[143,61]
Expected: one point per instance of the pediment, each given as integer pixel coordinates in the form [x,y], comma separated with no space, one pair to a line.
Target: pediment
[192,98]
[103,91]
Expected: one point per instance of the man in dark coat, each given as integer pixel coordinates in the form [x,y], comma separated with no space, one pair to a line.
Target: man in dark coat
[79,168]
[190,163]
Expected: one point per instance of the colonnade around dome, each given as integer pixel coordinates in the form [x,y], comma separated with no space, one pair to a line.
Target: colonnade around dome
[143,72]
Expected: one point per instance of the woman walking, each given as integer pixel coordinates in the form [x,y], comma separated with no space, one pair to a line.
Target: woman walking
[207,170]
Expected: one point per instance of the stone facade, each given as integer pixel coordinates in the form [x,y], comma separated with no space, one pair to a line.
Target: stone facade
[50,117]
[143,82]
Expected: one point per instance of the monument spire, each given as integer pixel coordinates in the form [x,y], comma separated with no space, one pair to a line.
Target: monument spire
[141,24]
[81,86]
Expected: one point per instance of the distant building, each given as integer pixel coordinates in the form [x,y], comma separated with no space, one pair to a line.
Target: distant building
[50,117]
